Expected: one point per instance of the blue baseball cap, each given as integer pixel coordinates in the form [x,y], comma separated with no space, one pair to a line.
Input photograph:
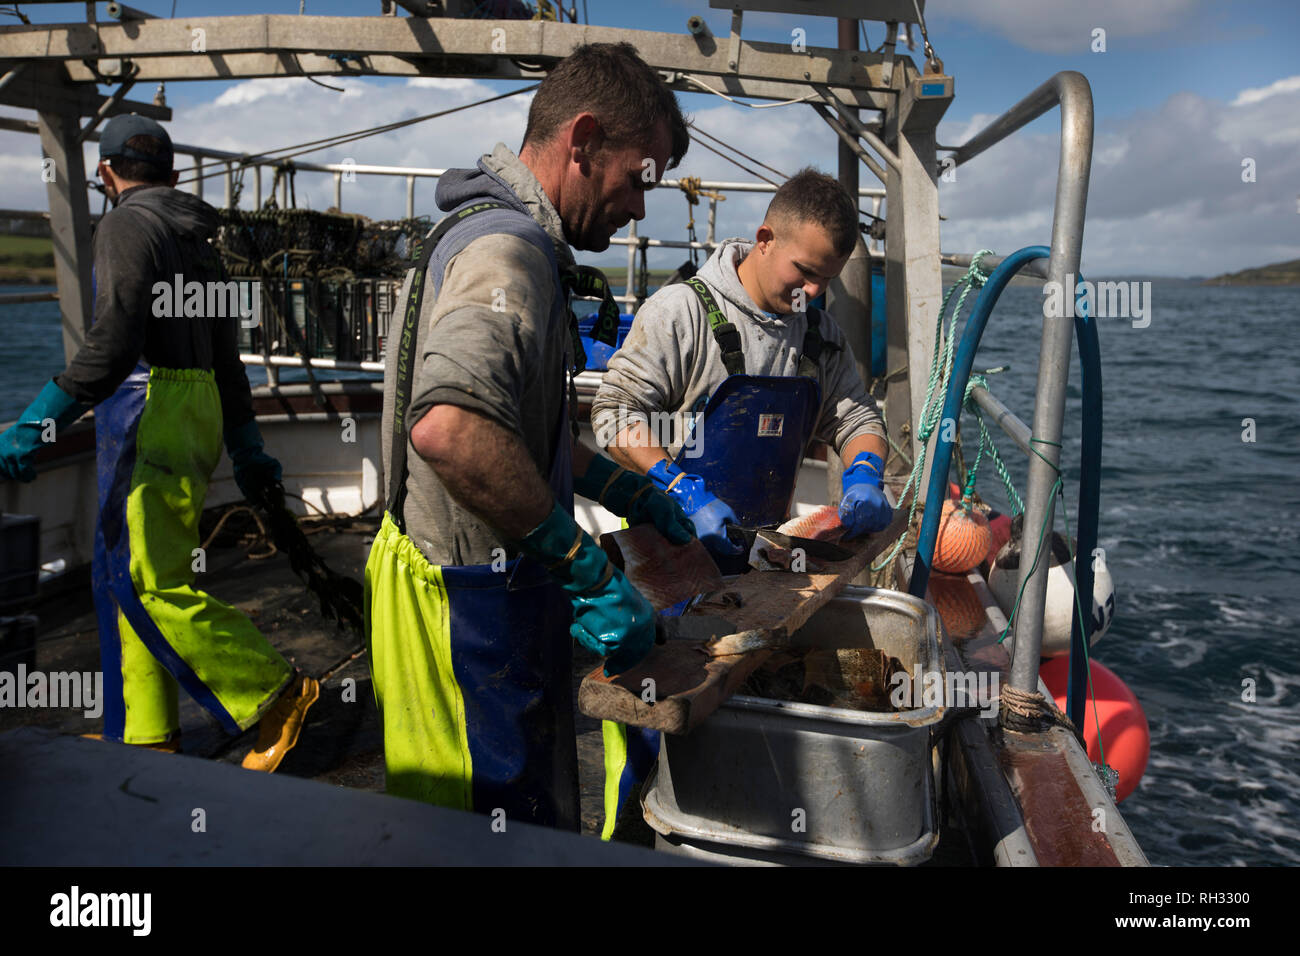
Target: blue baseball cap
[112,142]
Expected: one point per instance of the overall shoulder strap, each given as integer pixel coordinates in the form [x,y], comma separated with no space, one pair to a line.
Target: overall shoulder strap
[726,333]
[421,253]
[813,346]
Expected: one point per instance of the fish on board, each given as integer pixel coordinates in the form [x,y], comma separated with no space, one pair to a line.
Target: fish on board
[821,525]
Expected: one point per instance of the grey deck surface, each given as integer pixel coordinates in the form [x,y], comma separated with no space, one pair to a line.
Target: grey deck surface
[67,801]
[341,743]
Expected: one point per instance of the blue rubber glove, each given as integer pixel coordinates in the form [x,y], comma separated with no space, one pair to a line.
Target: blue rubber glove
[709,514]
[864,509]
[610,617]
[634,497]
[255,470]
[18,445]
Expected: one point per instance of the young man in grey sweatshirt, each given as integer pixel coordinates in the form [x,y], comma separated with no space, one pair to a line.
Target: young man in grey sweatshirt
[677,356]
[671,361]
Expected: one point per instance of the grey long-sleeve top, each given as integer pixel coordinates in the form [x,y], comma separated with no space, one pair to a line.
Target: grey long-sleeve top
[670,359]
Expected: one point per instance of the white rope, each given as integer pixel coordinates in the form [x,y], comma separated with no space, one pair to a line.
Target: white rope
[752,106]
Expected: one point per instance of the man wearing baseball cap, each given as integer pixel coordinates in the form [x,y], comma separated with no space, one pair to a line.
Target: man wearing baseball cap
[166,389]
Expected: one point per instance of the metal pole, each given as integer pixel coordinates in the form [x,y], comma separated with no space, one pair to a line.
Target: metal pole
[1071,90]
[64,172]
[8,77]
[709,236]
[410,197]
[849,295]
[989,263]
[338,191]
[631,262]
[853,124]
[198,176]
[230,183]
[912,273]
[257,187]
[1005,418]
[849,141]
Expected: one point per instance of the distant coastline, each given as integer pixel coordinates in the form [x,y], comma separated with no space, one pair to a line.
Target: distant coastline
[29,260]
[1279,273]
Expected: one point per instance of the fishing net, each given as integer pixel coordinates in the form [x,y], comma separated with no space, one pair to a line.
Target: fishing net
[298,243]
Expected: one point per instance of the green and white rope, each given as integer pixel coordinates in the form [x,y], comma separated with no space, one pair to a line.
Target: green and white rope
[986,441]
[940,375]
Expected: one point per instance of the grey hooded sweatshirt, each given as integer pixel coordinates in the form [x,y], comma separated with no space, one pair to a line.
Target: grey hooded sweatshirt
[152,235]
[670,359]
[493,340]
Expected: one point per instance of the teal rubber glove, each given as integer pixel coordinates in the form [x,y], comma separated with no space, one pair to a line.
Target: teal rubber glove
[634,497]
[709,514]
[255,470]
[19,444]
[864,508]
[610,617]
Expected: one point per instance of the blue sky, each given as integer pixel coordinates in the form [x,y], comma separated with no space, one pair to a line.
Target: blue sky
[1185,90]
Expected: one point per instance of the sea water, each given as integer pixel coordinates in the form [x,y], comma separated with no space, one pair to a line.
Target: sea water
[1199,527]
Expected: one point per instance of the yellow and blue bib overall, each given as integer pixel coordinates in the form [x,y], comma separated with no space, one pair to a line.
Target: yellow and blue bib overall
[764,423]
[471,664]
[158,439]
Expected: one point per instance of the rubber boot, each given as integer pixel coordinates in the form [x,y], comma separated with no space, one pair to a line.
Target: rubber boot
[172,745]
[278,730]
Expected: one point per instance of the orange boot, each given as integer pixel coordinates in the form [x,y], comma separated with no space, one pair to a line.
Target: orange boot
[278,730]
[172,745]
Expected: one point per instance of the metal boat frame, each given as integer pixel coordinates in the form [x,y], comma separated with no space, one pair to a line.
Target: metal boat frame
[53,69]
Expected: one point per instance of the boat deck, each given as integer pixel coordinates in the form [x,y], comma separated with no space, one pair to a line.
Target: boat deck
[342,743]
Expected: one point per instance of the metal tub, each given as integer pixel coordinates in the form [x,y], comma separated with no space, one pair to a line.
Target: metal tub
[767,781]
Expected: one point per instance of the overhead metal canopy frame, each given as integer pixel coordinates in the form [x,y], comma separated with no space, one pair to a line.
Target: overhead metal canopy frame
[245,47]
[56,68]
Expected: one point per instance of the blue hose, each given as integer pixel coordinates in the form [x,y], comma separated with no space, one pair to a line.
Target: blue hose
[1090,454]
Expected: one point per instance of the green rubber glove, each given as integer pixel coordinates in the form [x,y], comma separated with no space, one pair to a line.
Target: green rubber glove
[610,617]
[19,444]
[256,472]
[634,497]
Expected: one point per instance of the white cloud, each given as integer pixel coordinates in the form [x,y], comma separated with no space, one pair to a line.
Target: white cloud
[442,82]
[1248,97]
[1166,194]
[1065,26]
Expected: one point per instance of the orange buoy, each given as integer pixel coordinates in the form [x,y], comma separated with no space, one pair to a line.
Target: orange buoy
[964,538]
[1124,731]
[958,605]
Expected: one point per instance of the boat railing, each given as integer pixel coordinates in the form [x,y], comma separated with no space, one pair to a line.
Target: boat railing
[1042,442]
[204,159]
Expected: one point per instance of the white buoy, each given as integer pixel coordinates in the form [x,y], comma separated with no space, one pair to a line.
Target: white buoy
[1004,581]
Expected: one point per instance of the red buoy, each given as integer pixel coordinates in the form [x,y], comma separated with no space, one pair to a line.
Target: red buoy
[1124,730]
[1000,528]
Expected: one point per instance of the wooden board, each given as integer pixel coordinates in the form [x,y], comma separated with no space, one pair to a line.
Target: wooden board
[664,573]
[687,683]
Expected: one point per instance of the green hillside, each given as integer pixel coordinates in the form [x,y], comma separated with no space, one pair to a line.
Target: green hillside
[1279,273]
[26,259]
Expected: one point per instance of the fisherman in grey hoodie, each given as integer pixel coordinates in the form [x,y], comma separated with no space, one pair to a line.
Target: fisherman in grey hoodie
[677,357]
[749,375]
